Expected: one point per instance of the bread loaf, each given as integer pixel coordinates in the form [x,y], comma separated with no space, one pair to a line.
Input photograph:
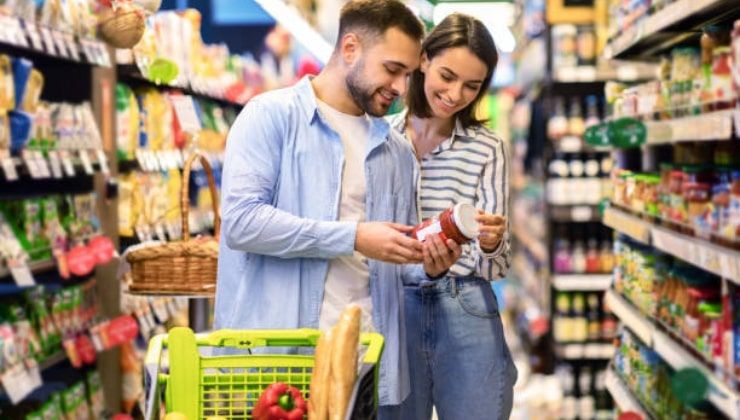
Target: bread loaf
[345,340]
[318,403]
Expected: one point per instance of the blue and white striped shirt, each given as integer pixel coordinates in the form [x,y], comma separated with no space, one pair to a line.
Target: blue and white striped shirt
[469,167]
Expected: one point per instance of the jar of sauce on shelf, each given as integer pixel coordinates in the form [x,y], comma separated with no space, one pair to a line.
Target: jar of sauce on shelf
[722,89]
[457,223]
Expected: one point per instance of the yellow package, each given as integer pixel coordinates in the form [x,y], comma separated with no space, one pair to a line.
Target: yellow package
[4,130]
[7,86]
[33,91]
[156,107]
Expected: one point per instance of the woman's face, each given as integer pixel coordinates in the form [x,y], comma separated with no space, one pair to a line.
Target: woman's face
[452,80]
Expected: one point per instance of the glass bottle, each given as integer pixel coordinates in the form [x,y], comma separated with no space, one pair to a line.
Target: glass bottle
[578,319]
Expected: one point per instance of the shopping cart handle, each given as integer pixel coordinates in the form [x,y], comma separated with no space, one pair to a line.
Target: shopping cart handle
[247,339]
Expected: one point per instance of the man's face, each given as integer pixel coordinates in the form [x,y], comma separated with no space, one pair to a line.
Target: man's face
[380,74]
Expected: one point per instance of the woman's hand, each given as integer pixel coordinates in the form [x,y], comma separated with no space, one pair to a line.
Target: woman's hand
[438,255]
[492,230]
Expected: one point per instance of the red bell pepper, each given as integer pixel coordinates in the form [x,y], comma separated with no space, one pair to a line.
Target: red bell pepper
[280,402]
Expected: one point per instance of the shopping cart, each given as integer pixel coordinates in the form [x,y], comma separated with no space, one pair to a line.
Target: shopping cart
[228,386]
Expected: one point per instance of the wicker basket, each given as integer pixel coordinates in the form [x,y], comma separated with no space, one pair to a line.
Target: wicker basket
[186,267]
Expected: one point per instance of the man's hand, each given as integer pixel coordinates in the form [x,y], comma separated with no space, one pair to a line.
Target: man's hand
[492,229]
[438,256]
[387,242]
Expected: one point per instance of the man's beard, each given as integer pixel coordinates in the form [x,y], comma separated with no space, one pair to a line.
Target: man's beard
[361,93]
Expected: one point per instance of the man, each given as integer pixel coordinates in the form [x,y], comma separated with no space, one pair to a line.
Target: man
[312,177]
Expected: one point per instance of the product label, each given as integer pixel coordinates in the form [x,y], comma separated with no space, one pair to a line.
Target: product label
[86,163]
[433,229]
[60,44]
[21,273]
[56,164]
[48,41]
[33,35]
[72,46]
[18,383]
[11,174]
[185,112]
[31,164]
[69,168]
[103,161]
[42,164]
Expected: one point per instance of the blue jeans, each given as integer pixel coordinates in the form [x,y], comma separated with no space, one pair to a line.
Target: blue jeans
[458,356]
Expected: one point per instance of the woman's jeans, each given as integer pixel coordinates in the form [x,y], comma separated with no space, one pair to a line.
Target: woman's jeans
[458,357]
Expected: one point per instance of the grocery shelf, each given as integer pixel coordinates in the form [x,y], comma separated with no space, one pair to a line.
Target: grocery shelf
[581,282]
[674,24]
[623,397]
[625,223]
[630,316]
[131,74]
[575,213]
[720,395]
[673,352]
[590,351]
[705,127]
[53,360]
[627,72]
[36,267]
[29,39]
[716,259]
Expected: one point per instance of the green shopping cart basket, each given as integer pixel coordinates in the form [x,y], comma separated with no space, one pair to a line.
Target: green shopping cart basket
[228,386]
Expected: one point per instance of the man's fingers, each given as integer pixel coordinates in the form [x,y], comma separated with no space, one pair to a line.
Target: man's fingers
[407,242]
[399,227]
[490,220]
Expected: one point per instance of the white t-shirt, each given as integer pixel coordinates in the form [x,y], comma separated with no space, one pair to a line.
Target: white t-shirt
[348,278]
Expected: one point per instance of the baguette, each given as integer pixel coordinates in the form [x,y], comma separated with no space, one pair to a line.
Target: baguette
[344,361]
[318,403]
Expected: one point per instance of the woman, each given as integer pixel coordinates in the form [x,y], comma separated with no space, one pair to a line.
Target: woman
[458,356]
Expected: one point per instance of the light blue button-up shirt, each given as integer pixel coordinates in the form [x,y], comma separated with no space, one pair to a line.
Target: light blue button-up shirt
[280,204]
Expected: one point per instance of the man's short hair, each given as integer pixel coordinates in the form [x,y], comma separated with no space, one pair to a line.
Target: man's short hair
[372,18]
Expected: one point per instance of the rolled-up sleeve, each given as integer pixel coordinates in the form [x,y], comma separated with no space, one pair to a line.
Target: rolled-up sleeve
[250,221]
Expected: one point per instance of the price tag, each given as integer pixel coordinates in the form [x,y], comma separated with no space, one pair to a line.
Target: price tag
[72,46]
[180,155]
[30,161]
[48,40]
[105,59]
[17,383]
[9,169]
[69,168]
[60,43]
[17,32]
[581,213]
[86,163]
[56,164]
[159,231]
[42,165]
[33,35]
[172,307]
[153,162]
[185,112]
[21,273]
[103,161]
[160,309]
[139,154]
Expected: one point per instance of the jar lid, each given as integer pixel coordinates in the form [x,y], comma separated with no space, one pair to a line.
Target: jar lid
[464,215]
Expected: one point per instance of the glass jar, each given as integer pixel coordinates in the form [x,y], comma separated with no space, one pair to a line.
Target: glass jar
[664,191]
[650,195]
[677,210]
[457,223]
[723,92]
[698,206]
[637,202]
[733,227]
